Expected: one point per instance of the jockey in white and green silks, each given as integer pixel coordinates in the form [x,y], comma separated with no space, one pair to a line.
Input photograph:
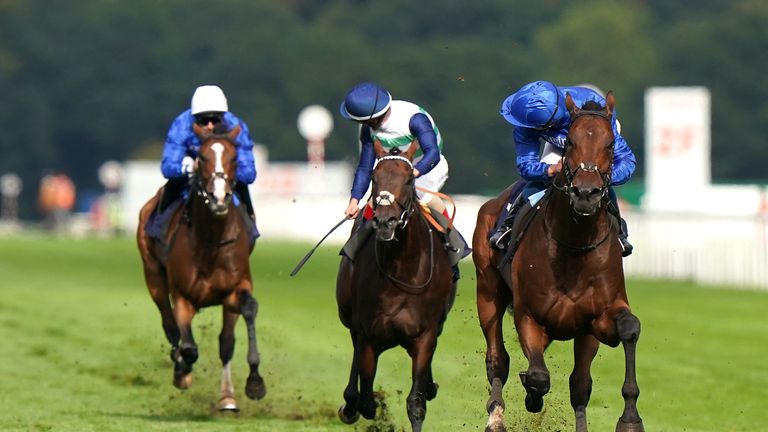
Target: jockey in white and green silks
[394,123]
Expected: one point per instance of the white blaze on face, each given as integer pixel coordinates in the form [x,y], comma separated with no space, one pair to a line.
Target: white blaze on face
[219,183]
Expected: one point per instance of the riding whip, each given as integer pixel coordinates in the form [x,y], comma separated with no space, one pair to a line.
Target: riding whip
[309,254]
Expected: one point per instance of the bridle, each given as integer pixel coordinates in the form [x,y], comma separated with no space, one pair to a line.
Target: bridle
[588,167]
[570,174]
[384,198]
[198,182]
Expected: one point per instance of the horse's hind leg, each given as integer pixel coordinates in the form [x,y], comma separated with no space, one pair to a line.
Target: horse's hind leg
[421,352]
[226,350]
[584,350]
[348,412]
[154,276]
[534,341]
[186,354]
[628,327]
[254,387]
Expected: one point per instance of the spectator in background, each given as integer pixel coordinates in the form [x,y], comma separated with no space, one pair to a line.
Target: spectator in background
[56,200]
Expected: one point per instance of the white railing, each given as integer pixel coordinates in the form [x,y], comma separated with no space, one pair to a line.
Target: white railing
[722,250]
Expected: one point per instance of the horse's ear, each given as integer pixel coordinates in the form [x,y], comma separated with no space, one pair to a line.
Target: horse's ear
[570,105]
[198,130]
[412,149]
[610,102]
[378,149]
[233,133]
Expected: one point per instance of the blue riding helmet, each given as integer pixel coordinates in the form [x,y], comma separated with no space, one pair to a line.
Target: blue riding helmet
[537,105]
[364,102]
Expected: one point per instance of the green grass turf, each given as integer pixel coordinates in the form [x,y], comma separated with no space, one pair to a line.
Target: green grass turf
[81,349]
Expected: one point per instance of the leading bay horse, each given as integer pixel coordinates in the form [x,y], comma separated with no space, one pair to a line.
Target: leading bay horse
[566,279]
[201,262]
[398,290]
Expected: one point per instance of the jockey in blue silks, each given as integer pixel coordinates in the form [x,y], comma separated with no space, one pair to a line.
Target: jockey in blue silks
[396,124]
[209,109]
[541,120]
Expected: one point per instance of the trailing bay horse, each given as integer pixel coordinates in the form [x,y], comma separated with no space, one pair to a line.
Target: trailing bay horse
[398,290]
[201,262]
[566,279]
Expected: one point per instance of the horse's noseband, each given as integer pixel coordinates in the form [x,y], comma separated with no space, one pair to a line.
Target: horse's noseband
[588,167]
[203,192]
[386,198]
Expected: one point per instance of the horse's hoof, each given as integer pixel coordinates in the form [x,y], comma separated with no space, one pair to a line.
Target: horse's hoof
[228,404]
[432,390]
[182,382]
[255,388]
[629,427]
[495,419]
[368,410]
[348,419]
[534,404]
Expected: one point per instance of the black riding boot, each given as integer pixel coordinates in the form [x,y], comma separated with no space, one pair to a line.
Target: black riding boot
[171,192]
[245,198]
[626,246]
[497,240]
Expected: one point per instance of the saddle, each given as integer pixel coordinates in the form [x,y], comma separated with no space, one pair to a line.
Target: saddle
[159,222]
[523,220]
[527,214]
[455,244]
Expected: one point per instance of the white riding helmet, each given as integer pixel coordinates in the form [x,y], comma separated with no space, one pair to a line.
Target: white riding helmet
[209,98]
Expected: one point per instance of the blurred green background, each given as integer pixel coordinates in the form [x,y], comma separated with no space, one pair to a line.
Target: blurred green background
[82,82]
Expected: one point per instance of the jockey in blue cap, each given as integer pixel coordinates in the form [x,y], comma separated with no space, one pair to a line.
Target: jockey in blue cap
[396,124]
[209,109]
[537,110]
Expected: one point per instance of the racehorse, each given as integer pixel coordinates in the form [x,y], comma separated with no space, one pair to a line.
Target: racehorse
[398,290]
[565,280]
[203,261]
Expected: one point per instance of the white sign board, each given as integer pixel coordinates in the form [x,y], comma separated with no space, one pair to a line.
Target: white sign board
[677,148]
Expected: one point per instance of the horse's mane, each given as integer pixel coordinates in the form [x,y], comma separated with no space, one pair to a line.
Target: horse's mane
[592,105]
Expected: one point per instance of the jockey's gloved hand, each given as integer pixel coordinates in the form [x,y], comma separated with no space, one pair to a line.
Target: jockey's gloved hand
[188,166]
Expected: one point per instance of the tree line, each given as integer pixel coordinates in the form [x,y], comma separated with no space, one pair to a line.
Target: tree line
[86,81]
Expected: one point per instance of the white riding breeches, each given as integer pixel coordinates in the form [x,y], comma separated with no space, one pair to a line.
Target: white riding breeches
[434,180]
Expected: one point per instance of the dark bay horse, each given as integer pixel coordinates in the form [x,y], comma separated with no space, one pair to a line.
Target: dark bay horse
[203,261]
[398,291]
[566,279]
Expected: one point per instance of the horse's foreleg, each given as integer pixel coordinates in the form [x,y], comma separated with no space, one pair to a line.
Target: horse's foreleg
[628,327]
[226,350]
[368,358]
[534,340]
[348,412]
[186,353]
[584,350]
[421,353]
[492,301]
[254,387]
